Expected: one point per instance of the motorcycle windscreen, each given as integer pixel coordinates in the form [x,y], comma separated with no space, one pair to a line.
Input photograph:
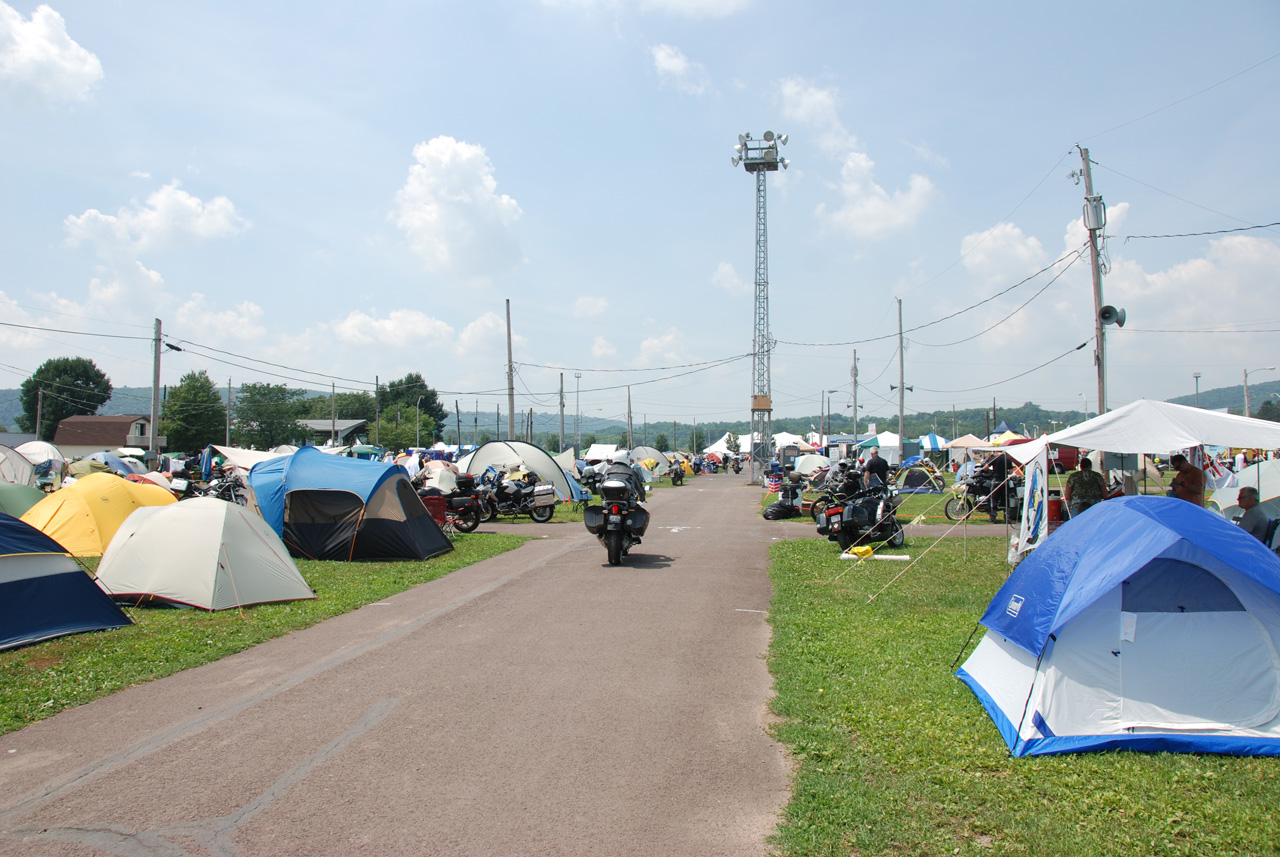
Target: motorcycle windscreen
[321,524]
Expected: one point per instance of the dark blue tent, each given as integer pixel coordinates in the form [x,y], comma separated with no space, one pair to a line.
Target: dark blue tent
[43,592]
[332,507]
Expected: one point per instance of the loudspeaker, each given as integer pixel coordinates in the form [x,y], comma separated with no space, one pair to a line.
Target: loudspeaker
[1111,315]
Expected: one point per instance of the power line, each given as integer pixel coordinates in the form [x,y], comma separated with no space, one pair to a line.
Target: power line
[73,332]
[1014,378]
[1129,238]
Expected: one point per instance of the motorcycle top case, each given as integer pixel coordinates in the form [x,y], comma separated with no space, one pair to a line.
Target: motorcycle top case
[466,482]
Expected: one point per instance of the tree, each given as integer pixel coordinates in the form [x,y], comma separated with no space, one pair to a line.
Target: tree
[350,406]
[70,385]
[412,392]
[267,416]
[193,414]
[696,439]
[732,444]
[661,443]
[401,435]
[1269,411]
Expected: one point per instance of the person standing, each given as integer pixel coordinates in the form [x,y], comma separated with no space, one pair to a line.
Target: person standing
[1255,520]
[1085,488]
[1188,483]
[877,466]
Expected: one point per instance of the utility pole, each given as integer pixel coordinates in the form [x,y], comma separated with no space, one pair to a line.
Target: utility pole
[902,390]
[228,441]
[40,410]
[577,414]
[1095,218]
[561,449]
[630,441]
[155,391]
[333,414]
[853,375]
[457,417]
[511,380]
[377,412]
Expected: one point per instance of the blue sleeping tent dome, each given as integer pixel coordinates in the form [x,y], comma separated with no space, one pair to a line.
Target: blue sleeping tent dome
[43,592]
[330,507]
[1146,623]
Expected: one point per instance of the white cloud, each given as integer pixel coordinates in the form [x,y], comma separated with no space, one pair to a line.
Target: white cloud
[402,328]
[675,68]
[453,216]
[816,108]
[1002,255]
[243,323]
[667,349]
[485,339]
[169,217]
[602,349]
[38,56]
[726,277]
[590,307]
[869,211]
[923,151]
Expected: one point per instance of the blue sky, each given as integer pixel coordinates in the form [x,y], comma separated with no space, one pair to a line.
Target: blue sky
[353,190]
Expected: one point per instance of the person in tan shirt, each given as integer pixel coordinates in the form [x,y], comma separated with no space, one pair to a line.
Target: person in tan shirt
[1189,483]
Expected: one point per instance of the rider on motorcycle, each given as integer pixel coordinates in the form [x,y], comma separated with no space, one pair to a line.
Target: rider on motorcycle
[620,468]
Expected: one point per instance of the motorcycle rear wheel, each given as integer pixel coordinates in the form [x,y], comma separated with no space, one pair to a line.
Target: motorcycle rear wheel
[542,514]
[613,544]
[846,539]
[958,509]
[466,520]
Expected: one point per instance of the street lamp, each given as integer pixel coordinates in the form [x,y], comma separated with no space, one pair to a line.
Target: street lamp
[1084,400]
[577,414]
[417,432]
[1196,375]
[1246,384]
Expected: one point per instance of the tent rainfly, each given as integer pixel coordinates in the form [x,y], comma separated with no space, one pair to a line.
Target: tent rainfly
[84,516]
[43,592]
[1144,623]
[509,454]
[203,553]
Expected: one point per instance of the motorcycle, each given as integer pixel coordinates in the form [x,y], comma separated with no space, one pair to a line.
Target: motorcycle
[525,496]
[461,507]
[224,485]
[677,474]
[619,521]
[982,494]
[737,466]
[869,515]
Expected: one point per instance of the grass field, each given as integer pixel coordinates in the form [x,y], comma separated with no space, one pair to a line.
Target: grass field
[895,756]
[41,680]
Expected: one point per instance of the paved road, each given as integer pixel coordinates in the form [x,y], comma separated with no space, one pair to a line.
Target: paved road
[537,703]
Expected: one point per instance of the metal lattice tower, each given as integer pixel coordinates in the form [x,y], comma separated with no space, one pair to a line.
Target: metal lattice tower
[761,157]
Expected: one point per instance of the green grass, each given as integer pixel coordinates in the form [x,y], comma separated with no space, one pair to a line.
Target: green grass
[41,680]
[895,756]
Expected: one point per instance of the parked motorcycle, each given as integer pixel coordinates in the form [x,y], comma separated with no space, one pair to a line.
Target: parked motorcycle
[525,496]
[461,506]
[869,515]
[619,521]
[976,494]
[677,474]
[223,485]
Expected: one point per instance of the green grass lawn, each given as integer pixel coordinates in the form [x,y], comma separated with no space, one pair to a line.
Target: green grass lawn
[895,756]
[41,680]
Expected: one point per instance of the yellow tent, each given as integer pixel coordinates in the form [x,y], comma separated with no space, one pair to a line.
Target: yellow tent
[84,516]
[1005,437]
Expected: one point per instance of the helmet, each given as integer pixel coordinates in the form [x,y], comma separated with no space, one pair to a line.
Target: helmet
[621,456]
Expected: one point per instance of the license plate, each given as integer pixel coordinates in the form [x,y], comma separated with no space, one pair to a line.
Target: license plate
[615,519]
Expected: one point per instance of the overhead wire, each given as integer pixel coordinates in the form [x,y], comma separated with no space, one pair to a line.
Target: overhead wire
[1013,378]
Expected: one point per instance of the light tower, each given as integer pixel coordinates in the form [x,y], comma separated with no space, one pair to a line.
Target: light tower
[760,157]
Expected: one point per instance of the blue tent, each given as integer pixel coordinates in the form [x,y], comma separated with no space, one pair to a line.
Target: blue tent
[43,592]
[333,507]
[1146,623]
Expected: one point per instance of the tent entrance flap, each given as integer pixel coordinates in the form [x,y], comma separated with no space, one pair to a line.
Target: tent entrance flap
[321,524]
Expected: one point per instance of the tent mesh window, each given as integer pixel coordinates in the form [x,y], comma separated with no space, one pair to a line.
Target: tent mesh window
[1173,586]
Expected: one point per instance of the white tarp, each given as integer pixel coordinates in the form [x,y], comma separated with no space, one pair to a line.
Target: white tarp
[246,458]
[1150,426]
[15,468]
[599,452]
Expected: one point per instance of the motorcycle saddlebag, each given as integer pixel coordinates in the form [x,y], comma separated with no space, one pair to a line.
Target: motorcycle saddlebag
[637,521]
[544,494]
[461,502]
[593,517]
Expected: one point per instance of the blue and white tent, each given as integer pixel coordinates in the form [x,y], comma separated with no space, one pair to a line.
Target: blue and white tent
[43,593]
[1145,623]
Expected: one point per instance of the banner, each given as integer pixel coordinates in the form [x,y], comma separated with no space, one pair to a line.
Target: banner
[1035,504]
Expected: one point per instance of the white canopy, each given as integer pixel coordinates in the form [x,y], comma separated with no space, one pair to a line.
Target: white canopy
[1150,426]
[246,458]
[599,452]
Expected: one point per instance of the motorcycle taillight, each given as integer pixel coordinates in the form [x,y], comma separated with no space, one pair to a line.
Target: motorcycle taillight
[614,510]
[832,511]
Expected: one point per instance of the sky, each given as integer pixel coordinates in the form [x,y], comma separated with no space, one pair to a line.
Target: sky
[323,194]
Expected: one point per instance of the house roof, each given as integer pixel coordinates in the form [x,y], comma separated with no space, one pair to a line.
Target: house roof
[96,430]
